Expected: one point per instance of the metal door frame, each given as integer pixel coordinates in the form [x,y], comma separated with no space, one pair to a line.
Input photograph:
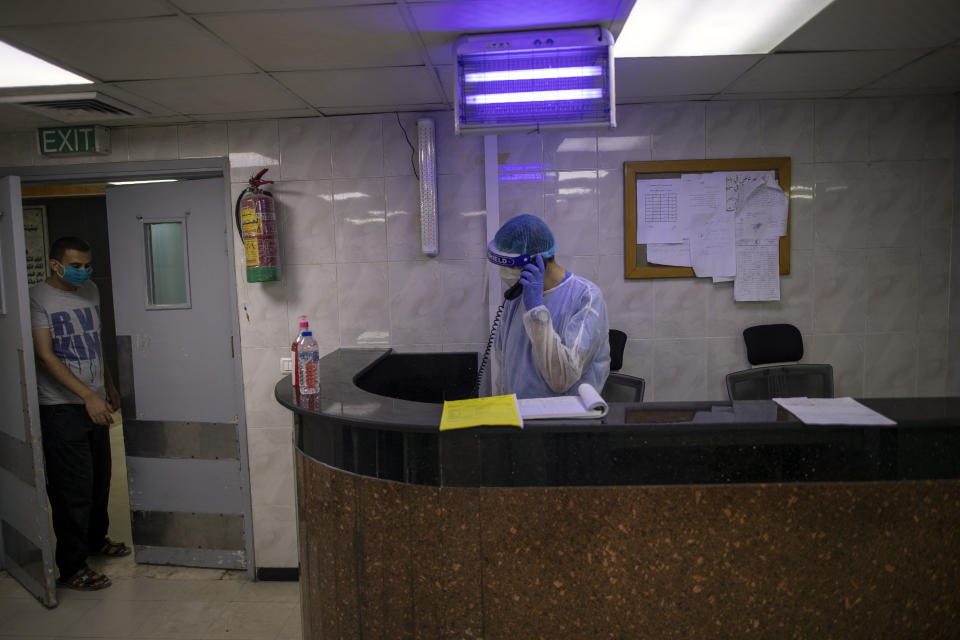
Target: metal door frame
[192,168]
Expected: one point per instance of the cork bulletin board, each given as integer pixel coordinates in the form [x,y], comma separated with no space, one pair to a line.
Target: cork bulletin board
[635,255]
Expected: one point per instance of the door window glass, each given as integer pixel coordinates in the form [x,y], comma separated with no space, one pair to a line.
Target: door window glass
[168,283]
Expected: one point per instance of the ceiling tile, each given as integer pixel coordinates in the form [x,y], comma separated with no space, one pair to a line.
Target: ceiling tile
[356,110]
[341,38]
[14,118]
[24,12]
[371,87]
[806,72]
[646,77]
[939,69]
[219,94]
[267,114]
[232,6]
[131,49]
[448,80]
[441,23]
[878,24]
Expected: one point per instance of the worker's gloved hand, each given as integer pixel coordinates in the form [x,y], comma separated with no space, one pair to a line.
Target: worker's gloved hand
[531,279]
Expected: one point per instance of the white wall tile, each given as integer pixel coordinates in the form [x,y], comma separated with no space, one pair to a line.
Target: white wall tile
[416,311]
[460,155]
[629,141]
[724,355]
[939,125]
[733,129]
[840,130]
[203,140]
[569,149]
[610,212]
[786,129]
[802,206]
[680,307]
[638,362]
[678,130]
[18,149]
[894,130]
[253,145]
[307,229]
[890,365]
[462,217]
[272,466]
[679,370]
[154,143]
[932,364]
[893,204]
[845,353]
[400,143]
[402,195]
[310,288]
[275,540]
[305,149]
[357,146]
[359,210]
[893,290]
[841,200]
[364,304]
[464,290]
[261,371]
[570,210]
[840,281]
[630,303]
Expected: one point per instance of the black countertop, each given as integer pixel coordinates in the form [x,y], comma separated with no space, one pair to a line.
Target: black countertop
[635,443]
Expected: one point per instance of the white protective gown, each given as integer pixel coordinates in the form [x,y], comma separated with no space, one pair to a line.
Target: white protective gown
[553,348]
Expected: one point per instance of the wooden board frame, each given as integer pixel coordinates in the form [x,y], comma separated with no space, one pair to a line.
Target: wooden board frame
[635,255]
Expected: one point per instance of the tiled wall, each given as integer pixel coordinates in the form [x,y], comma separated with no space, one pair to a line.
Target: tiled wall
[872,205]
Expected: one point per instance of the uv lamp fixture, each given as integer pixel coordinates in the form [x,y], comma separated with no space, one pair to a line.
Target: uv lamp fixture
[427,157]
[534,80]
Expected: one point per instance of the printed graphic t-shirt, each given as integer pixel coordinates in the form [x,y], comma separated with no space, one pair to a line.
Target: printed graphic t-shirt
[73,318]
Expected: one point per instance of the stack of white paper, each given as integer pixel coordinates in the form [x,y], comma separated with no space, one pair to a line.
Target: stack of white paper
[832,411]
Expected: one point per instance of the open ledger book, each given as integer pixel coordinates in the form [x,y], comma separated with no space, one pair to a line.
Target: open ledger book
[586,404]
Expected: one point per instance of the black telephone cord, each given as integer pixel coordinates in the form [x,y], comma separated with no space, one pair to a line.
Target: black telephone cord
[486,353]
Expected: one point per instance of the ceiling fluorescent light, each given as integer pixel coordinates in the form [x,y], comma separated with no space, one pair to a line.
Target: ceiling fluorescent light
[20,69]
[124,182]
[656,28]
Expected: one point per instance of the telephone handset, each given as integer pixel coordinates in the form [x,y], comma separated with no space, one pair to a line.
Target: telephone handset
[501,260]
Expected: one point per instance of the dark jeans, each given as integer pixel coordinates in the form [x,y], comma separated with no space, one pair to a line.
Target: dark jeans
[77,454]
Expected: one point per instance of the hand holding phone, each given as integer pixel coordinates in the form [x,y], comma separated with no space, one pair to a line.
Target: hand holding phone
[532,281]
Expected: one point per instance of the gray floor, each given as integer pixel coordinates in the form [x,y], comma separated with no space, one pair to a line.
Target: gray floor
[147,601]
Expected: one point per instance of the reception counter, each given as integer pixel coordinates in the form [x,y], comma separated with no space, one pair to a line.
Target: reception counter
[661,520]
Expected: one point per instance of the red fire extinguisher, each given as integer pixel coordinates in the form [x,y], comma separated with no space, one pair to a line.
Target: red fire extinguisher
[257,222]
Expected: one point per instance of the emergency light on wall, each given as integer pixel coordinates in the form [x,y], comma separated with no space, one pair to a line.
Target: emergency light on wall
[534,80]
[427,161]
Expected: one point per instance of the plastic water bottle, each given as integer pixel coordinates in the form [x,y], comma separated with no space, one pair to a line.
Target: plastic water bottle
[308,363]
[304,325]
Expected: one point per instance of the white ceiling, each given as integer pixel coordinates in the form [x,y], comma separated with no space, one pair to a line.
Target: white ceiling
[189,60]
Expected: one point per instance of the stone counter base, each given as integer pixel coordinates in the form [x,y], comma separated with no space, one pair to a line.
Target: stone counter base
[382,559]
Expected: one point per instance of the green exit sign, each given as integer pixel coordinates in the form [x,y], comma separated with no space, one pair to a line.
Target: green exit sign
[81,140]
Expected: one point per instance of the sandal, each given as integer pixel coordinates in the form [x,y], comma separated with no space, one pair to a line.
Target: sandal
[86,579]
[113,549]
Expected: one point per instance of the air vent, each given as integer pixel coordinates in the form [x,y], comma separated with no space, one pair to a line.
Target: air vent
[76,107]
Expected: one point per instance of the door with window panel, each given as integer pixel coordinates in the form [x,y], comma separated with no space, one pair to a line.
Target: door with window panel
[179,376]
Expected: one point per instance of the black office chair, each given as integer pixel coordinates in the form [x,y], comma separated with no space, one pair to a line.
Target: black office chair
[620,387]
[768,343]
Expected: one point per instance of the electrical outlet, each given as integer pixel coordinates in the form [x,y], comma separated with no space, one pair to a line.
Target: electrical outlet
[286,365]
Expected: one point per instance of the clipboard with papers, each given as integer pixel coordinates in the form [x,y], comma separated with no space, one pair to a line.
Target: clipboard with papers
[587,404]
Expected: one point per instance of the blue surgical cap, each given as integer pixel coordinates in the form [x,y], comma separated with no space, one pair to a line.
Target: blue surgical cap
[525,234]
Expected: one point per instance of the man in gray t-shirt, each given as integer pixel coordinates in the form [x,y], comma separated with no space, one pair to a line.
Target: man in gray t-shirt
[77,401]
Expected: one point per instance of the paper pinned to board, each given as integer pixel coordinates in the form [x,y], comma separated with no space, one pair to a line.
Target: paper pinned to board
[672,254]
[832,411]
[476,412]
[758,270]
[763,214]
[658,211]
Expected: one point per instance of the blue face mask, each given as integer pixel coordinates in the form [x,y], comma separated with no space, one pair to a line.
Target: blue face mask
[75,276]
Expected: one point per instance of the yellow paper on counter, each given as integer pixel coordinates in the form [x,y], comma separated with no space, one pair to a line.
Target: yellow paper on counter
[475,412]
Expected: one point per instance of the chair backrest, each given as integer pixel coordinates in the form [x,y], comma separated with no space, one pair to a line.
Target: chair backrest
[767,343]
[623,388]
[618,340]
[785,381]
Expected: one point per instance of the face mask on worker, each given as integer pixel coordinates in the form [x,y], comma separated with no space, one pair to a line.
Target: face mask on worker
[510,275]
[75,276]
